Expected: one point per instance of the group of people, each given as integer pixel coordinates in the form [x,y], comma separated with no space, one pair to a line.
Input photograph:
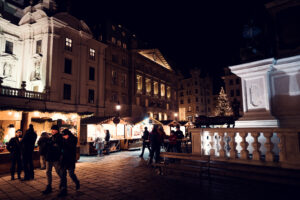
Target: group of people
[155,139]
[100,144]
[57,150]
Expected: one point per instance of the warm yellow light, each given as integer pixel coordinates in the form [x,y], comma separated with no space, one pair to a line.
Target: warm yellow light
[118,107]
[17,115]
[9,113]
[36,114]
[175,114]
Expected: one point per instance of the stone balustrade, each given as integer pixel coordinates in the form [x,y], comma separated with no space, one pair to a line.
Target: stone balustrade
[256,146]
[15,92]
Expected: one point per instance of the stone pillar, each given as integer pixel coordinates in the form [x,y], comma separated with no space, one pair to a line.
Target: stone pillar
[281,146]
[232,144]
[244,145]
[212,143]
[256,94]
[222,144]
[269,146]
[256,145]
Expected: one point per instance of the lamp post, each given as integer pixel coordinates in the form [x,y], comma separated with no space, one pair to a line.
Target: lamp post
[175,115]
[116,120]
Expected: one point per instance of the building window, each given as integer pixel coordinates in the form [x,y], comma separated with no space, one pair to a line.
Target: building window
[197,108]
[123,80]
[148,85]
[139,83]
[91,96]
[197,99]
[124,45]
[231,93]
[189,101]
[196,91]
[230,82]
[146,103]
[190,109]
[38,48]
[165,116]
[168,92]
[92,74]
[181,101]
[92,54]
[119,43]
[9,46]
[67,92]
[167,106]
[155,86]
[68,66]
[113,40]
[114,58]
[181,94]
[237,81]
[238,92]
[68,45]
[162,90]
[159,116]
[114,97]
[114,77]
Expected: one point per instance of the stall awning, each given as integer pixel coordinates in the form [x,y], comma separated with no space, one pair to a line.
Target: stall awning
[96,120]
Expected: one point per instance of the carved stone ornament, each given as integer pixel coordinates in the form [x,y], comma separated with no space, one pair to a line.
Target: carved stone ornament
[255,98]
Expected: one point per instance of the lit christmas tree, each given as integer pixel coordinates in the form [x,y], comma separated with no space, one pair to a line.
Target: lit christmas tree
[223,107]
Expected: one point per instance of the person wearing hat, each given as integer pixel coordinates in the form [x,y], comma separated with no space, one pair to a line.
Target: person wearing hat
[69,159]
[53,158]
[14,147]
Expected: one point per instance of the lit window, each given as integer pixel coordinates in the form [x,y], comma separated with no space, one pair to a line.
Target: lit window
[92,54]
[139,82]
[68,45]
[155,86]
[38,49]
[91,96]
[124,45]
[162,90]
[148,85]
[167,106]
[119,43]
[190,108]
[9,47]
[113,40]
[159,116]
[165,116]
[168,92]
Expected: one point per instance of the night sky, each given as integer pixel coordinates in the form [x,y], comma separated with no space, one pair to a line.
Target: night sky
[203,34]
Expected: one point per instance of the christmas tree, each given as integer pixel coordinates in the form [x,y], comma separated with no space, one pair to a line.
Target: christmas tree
[223,107]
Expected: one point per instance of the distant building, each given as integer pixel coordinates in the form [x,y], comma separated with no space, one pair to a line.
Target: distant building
[233,89]
[195,96]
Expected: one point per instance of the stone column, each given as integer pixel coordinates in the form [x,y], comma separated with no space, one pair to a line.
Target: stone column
[269,146]
[212,143]
[256,94]
[256,145]
[281,146]
[244,145]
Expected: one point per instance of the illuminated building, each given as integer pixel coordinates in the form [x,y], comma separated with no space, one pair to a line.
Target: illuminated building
[195,96]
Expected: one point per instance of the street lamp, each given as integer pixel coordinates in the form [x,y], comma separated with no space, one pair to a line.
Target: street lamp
[175,115]
[116,119]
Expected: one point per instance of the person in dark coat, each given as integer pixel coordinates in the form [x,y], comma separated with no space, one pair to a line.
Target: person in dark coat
[53,158]
[69,158]
[14,147]
[179,136]
[146,143]
[155,143]
[27,144]
[42,143]
[107,141]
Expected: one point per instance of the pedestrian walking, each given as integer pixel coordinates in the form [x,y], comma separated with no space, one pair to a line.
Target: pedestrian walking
[107,142]
[53,159]
[99,146]
[42,143]
[14,147]
[180,136]
[27,147]
[146,142]
[68,160]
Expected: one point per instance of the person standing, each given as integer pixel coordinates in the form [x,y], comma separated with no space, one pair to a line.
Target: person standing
[107,141]
[42,143]
[179,136]
[99,146]
[155,143]
[14,147]
[145,139]
[27,144]
[53,158]
[172,142]
[68,160]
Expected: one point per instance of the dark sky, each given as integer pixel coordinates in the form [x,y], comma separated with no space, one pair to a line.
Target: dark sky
[204,34]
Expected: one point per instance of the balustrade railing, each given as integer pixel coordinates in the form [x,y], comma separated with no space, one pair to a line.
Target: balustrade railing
[7,91]
[258,146]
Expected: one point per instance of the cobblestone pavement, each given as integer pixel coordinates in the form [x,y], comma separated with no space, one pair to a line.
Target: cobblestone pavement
[124,175]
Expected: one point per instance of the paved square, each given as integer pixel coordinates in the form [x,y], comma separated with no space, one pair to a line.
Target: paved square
[123,175]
